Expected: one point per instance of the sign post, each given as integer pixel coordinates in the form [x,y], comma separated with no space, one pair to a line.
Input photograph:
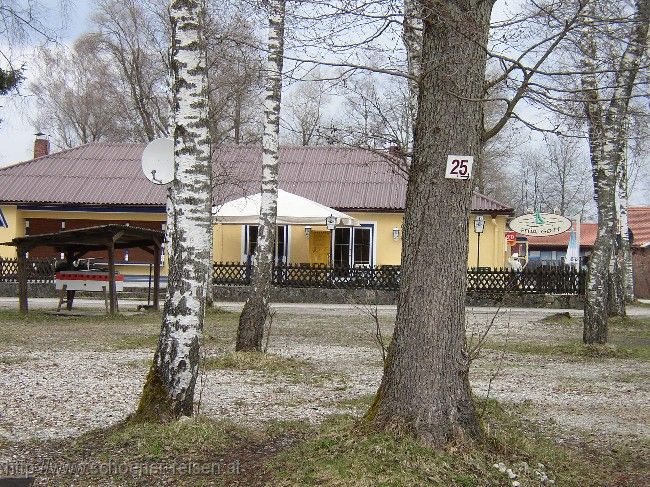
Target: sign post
[330,221]
[479,226]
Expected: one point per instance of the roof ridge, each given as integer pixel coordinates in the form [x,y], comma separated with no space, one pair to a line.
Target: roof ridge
[51,154]
[492,200]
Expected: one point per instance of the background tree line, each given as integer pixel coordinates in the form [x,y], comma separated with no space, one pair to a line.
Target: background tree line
[110,84]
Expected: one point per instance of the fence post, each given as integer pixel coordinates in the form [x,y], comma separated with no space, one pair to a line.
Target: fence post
[248,269]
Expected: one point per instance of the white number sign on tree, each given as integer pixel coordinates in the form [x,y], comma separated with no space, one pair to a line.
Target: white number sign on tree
[459,167]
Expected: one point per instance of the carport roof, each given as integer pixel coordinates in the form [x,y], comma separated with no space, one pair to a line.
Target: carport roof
[93,238]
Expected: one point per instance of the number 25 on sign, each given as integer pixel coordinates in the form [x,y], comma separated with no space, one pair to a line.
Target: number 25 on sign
[459,167]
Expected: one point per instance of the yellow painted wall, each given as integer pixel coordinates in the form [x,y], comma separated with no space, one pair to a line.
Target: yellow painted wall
[493,242]
[227,243]
[388,251]
[16,229]
[316,249]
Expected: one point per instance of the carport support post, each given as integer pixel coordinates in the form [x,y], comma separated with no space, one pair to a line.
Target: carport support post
[69,295]
[111,277]
[22,278]
[156,275]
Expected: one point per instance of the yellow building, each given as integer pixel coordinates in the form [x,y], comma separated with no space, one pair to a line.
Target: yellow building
[101,183]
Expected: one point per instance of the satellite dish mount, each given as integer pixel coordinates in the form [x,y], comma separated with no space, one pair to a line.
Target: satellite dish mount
[158,161]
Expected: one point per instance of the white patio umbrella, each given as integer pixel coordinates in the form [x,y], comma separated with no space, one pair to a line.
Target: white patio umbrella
[292,210]
[573,251]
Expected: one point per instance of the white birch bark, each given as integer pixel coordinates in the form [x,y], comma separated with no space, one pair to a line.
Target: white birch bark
[625,253]
[255,313]
[605,121]
[169,391]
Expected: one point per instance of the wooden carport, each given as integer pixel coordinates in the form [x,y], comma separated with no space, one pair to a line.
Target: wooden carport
[74,244]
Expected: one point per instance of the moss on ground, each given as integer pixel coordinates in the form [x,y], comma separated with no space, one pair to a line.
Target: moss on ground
[563,318]
[267,362]
[574,350]
[289,368]
[13,359]
[345,452]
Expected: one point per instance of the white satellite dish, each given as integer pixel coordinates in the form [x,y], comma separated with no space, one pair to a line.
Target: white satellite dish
[158,161]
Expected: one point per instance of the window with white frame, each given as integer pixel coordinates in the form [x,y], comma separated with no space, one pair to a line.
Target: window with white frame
[354,246]
[281,242]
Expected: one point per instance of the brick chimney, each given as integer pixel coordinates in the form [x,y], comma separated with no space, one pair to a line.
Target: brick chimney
[41,145]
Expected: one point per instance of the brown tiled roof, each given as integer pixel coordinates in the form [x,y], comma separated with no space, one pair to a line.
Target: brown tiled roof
[638,218]
[110,174]
[638,221]
[588,232]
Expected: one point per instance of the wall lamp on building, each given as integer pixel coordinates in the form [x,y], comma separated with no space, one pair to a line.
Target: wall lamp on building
[331,222]
[396,233]
[307,231]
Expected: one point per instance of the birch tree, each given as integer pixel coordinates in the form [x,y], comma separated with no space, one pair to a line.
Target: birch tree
[256,308]
[425,388]
[169,390]
[606,103]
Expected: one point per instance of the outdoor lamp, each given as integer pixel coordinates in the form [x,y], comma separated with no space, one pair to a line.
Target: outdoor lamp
[307,231]
[395,233]
[331,222]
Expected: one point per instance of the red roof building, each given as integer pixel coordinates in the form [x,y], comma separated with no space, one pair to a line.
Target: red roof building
[109,174]
[103,183]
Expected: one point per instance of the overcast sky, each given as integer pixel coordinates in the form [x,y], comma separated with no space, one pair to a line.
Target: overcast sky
[16,129]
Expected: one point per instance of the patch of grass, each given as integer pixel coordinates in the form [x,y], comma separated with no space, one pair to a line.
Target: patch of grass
[347,453]
[267,362]
[195,451]
[13,359]
[359,402]
[564,318]
[629,322]
[292,369]
[150,441]
[574,350]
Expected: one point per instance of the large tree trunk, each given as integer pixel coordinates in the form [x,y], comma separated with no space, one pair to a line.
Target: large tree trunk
[256,309]
[169,390]
[425,389]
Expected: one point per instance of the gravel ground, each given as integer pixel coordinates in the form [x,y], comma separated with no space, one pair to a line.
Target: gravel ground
[65,391]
